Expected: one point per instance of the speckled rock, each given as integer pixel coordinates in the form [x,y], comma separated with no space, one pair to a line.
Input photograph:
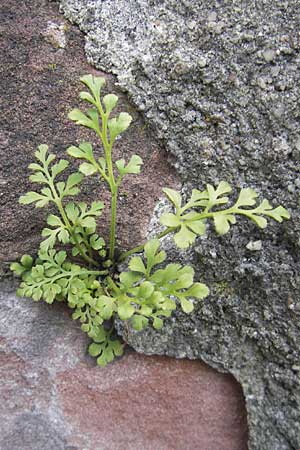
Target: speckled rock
[220,84]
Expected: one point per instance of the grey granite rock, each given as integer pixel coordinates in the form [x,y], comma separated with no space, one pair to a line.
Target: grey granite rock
[220,84]
[32,432]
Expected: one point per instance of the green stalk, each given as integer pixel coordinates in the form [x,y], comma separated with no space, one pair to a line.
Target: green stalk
[73,275]
[113,225]
[86,243]
[113,186]
[167,231]
[140,248]
[58,202]
[201,216]
[69,227]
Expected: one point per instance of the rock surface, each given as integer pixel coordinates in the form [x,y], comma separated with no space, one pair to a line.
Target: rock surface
[52,397]
[40,85]
[219,83]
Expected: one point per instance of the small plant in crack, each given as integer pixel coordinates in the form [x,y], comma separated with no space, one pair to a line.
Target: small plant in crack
[85,275]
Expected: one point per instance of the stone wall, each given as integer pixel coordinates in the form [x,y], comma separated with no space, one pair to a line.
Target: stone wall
[219,84]
[52,394]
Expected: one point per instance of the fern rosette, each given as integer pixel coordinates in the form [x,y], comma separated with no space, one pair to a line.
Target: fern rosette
[84,275]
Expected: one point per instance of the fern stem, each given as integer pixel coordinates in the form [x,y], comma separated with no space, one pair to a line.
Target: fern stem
[113,185]
[112,242]
[71,275]
[87,258]
[58,202]
[140,248]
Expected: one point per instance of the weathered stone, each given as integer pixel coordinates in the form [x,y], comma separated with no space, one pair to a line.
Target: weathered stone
[42,351]
[154,404]
[269,55]
[40,85]
[221,123]
[54,397]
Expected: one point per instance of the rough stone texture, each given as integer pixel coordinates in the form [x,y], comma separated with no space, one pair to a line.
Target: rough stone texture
[44,59]
[53,397]
[220,84]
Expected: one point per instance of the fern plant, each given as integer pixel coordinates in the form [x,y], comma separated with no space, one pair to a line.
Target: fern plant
[149,291]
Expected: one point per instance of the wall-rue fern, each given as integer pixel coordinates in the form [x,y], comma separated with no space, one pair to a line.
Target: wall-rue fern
[149,291]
